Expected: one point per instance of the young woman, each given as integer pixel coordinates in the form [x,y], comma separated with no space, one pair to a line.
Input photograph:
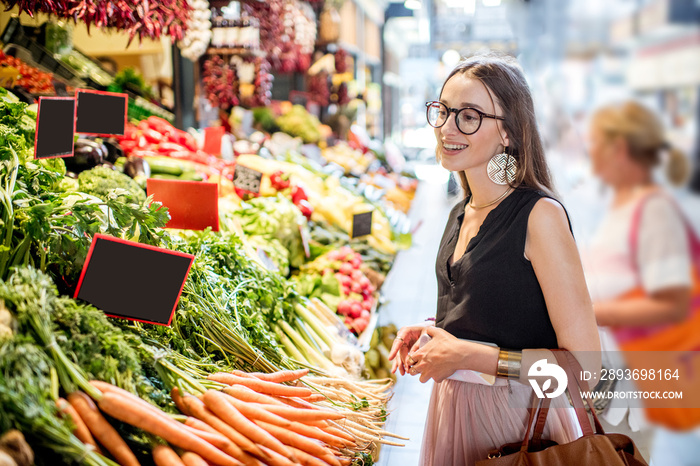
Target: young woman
[510,282]
[639,288]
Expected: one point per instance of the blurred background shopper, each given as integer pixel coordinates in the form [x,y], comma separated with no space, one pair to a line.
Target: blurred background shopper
[638,265]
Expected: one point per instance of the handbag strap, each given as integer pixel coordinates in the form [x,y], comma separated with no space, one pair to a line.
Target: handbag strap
[572,367]
[693,239]
[538,409]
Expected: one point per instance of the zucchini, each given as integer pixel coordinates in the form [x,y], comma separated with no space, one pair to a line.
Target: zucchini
[164,176]
[191,176]
[164,166]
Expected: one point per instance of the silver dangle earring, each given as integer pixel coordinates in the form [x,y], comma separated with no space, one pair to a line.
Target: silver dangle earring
[501,168]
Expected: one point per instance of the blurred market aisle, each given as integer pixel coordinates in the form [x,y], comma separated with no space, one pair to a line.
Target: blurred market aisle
[411,291]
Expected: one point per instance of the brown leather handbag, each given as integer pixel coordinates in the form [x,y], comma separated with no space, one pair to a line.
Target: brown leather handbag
[594,448]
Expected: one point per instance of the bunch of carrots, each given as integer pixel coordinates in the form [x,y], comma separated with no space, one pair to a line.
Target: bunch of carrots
[248,419]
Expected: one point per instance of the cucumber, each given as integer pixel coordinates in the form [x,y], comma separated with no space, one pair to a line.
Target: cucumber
[165,166]
[164,176]
[191,176]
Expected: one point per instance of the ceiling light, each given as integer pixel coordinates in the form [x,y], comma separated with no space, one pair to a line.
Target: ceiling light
[491,2]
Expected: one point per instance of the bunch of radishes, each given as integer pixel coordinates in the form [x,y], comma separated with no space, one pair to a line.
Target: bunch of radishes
[356,287]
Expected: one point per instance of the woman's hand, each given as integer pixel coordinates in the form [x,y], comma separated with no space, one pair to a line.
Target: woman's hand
[444,354]
[439,358]
[405,341]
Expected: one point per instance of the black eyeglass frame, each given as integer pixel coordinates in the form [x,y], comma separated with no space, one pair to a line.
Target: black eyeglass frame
[457,111]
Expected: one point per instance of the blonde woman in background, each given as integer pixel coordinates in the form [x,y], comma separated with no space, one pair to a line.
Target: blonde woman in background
[627,144]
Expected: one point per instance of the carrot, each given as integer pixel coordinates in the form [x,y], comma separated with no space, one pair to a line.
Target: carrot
[121,407]
[278,460]
[197,408]
[177,399]
[246,394]
[315,398]
[105,387]
[193,459]
[339,433]
[224,444]
[81,431]
[308,460]
[254,411]
[260,386]
[319,434]
[281,376]
[304,415]
[163,455]
[101,429]
[217,403]
[199,425]
[294,440]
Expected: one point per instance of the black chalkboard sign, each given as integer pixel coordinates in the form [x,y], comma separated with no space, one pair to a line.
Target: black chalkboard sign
[247,179]
[55,127]
[101,113]
[361,224]
[132,280]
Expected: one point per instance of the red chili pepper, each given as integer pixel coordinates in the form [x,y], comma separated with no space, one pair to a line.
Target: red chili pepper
[305,208]
[159,124]
[128,145]
[298,194]
[152,136]
[168,147]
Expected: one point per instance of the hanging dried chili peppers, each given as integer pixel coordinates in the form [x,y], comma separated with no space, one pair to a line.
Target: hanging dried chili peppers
[143,18]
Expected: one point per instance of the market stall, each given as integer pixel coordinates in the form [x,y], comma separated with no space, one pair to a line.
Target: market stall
[271,354]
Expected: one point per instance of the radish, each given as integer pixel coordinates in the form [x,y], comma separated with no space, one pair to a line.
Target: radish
[367,305]
[346,269]
[364,314]
[357,275]
[356,263]
[356,288]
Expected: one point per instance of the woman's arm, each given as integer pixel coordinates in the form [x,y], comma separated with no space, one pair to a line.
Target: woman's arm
[551,249]
[667,306]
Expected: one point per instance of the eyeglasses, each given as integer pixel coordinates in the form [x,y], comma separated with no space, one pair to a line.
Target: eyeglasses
[468,119]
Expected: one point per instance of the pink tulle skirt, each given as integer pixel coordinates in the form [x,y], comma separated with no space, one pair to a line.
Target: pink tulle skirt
[467,420]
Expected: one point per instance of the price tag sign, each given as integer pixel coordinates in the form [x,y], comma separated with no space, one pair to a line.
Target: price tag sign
[100,113]
[55,127]
[193,205]
[247,179]
[133,281]
[212,140]
[361,224]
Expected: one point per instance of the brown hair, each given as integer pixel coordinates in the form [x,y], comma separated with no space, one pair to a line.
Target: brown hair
[506,84]
[644,135]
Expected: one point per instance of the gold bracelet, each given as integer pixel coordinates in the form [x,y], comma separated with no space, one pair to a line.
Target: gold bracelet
[509,363]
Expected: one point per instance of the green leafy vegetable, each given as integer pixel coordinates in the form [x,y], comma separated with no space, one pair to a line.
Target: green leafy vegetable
[104,182]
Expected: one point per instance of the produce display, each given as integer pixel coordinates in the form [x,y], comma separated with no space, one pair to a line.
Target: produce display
[250,371]
[377,361]
[300,123]
[31,79]
[351,159]
[338,280]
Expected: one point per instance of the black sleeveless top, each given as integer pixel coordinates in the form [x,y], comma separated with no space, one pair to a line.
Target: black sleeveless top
[491,294]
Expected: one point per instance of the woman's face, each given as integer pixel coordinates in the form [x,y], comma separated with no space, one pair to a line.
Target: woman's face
[604,157]
[461,152]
